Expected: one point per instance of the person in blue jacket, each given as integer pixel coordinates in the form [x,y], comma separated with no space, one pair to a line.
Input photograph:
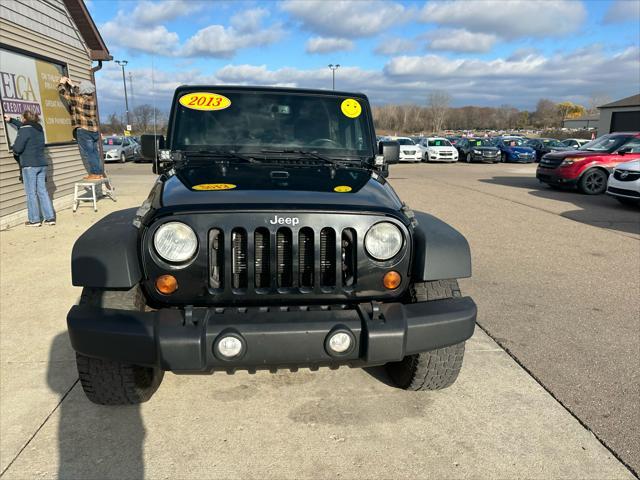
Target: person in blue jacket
[29,147]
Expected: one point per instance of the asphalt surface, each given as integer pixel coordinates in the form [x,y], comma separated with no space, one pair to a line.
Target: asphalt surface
[556,282]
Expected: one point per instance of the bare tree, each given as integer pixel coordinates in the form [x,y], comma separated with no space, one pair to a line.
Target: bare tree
[143,116]
[438,106]
[595,100]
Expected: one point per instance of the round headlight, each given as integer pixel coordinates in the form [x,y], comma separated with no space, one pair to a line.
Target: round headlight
[175,242]
[383,241]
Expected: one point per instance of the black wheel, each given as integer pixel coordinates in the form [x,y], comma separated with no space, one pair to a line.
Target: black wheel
[628,201]
[593,182]
[438,368]
[468,157]
[108,382]
[503,157]
[123,158]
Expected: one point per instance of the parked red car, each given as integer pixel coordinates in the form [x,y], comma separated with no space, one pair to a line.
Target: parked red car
[588,168]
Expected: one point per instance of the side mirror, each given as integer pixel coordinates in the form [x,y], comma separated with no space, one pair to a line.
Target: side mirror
[390,151]
[150,145]
[624,150]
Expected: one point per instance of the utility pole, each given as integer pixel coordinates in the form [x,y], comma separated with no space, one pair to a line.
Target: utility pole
[333,74]
[122,63]
[131,90]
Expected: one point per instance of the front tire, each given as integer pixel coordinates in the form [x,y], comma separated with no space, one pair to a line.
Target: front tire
[503,157]
[593,182]
[468,157]
[109,382]
[123,158]
[436,369]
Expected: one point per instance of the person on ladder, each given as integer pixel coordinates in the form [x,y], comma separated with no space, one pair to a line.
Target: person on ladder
[80,100]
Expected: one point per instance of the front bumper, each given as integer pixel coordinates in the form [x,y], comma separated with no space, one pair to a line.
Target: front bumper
[273,337]
[552,177]
[478,157]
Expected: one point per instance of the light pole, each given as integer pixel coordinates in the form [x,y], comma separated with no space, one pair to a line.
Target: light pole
[133,105]
[333,74]
[122,63]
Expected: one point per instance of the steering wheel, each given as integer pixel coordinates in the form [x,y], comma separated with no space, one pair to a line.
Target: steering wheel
[319,141]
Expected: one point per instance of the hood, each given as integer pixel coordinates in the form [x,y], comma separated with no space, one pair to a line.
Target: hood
[272,187]
[520,149]
[633,166]
[107,148]
[442,147]
[574,153]
[485,149]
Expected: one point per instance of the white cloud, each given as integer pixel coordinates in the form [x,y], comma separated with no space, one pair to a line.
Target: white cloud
[512,19]
[133,32]
[395,46]
[459,40]
[621,11]
[346,19]
[155,40]
[152,13]
[223,42]
[328,44]
[249,20]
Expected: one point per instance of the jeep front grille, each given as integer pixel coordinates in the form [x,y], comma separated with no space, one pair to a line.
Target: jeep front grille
[281,261]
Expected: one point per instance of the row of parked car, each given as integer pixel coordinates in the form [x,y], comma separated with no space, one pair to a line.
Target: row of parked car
[507,148]
[610,163]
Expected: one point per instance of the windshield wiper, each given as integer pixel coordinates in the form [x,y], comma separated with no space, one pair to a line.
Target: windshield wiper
[219,154]
[306,153]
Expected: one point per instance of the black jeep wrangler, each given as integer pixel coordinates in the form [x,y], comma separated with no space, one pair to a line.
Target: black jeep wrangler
[271,240]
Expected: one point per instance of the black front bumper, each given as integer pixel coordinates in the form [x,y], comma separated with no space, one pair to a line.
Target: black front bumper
[550,176]
[273,337]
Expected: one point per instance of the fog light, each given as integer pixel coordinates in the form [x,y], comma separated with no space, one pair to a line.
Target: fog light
[340,342]
[229,346]
[391,280]
[166,284]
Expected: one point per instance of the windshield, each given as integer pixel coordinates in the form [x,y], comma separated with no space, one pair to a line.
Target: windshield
[112,141]
[255,121]
[405,141]
[606,143]
[513,142]
[480,142]
[439,142]
[550,142]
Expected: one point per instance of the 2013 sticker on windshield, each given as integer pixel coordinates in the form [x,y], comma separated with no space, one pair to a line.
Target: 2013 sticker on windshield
[205,101]
[351,108]
[342,189]
[214,186]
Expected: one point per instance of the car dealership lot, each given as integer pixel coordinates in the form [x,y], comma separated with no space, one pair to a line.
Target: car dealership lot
[556,282]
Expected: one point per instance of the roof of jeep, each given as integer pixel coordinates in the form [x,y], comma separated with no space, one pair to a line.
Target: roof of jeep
[248,88]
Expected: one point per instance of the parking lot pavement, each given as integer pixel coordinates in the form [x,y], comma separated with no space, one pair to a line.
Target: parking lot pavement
[556,281]
[496,421]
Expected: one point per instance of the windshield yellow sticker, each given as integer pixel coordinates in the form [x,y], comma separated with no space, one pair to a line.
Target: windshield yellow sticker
[351,108]
[342,189]
[205,101]
[214,186]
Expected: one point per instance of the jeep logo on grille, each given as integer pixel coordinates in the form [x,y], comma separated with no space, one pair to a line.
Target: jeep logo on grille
[276,220]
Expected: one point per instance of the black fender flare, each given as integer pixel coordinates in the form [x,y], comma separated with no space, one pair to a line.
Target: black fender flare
[440,251]
[106,255]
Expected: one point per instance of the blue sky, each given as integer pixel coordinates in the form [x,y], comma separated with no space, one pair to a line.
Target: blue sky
[481,52]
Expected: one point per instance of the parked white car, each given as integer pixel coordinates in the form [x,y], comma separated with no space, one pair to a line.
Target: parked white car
[440,150]
[409,151]
[624,183]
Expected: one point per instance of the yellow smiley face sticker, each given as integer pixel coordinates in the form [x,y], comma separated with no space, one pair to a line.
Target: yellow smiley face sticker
[342,189]
[214,186]
[351,108]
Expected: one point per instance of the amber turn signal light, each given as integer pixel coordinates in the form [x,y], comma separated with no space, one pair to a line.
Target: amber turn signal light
[391,280]
[166,284]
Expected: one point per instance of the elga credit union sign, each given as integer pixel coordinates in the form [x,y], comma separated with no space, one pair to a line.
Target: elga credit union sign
[28,83]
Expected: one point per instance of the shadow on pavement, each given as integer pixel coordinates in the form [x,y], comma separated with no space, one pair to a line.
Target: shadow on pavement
[596,210]
[94,441]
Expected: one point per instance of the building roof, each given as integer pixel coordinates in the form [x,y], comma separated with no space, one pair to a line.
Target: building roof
[632,101]
[88,30]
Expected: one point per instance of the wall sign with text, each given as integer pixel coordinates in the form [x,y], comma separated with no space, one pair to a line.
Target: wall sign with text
[28,83]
